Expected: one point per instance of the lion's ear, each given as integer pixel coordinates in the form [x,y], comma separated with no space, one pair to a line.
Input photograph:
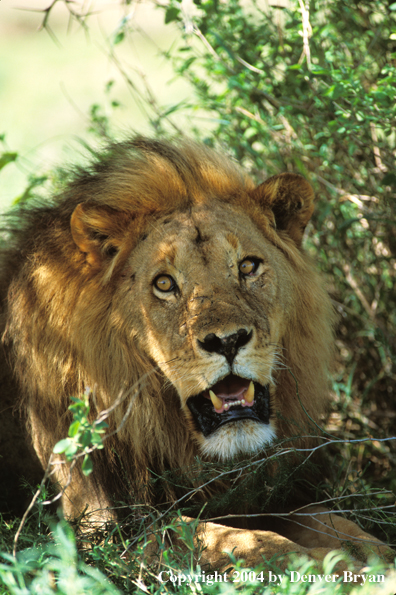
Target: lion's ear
[291,199]
[98,231]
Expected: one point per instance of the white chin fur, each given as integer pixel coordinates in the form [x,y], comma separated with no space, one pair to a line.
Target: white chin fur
[240,438]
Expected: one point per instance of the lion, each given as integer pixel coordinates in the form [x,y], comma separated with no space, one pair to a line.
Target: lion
[164,273]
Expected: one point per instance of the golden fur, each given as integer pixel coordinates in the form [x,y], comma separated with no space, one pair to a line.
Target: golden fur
[83,309]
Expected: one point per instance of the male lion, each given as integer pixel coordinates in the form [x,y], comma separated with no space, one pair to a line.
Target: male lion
[163,270]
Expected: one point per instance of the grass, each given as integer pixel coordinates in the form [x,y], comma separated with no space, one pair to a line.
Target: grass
[50,562]
[154,552]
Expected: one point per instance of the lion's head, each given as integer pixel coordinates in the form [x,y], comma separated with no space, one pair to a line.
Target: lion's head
[164,267]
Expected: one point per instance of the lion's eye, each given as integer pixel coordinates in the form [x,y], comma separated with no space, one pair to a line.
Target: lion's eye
[165,283]
[249,266]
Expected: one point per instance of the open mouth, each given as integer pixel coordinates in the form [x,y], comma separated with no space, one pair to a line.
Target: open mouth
[229,400]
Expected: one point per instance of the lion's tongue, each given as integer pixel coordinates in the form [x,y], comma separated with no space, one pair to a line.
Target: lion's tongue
[229,392]
[231,387]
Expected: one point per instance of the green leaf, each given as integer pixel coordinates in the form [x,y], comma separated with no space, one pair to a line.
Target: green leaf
[318,71]
[66,446]
[61,446]
[71,450]
[96,438]
[119,36]
[86,438]
[73,430]
[87,465]
[172,14]
[335,91]
[7,158]
[389,179]
[249,132]
[79,407]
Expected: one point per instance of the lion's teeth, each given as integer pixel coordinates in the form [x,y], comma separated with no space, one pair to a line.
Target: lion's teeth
[249,395]
[217,403]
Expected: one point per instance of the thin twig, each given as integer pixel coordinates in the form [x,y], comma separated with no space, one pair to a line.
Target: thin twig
[376,150]
[47,474]
[353,283]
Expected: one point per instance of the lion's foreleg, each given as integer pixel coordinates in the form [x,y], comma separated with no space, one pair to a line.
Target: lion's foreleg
[81,497]
[314,526]
[215,543]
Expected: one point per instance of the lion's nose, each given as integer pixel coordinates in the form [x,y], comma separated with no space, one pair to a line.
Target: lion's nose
[228,345]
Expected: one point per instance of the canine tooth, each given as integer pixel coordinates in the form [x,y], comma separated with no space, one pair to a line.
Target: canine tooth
[226,405]
[249,395]
[243,401]
[217,403]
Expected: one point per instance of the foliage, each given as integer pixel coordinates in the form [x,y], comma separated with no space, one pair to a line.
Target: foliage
[84,435]
[57,567]
[52,568]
